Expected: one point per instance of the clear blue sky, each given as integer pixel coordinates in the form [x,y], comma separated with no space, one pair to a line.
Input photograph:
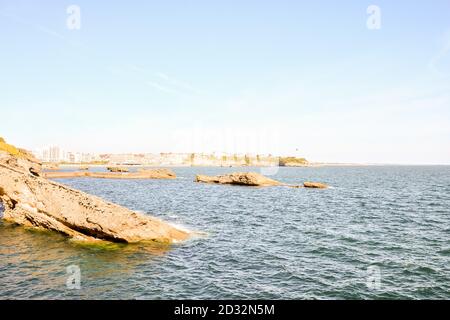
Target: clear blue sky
[234,76]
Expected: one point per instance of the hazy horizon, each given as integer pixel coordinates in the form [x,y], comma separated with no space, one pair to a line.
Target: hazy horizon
[283,78]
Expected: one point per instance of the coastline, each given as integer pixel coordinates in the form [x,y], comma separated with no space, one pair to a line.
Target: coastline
[310,165]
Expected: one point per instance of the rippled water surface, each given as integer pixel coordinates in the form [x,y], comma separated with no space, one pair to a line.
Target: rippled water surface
[380,232]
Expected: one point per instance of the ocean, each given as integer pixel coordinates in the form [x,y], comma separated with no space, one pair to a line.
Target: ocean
[380,232]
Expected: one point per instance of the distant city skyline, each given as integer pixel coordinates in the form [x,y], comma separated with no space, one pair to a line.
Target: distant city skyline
[351,82]
[57,154]
[54,154]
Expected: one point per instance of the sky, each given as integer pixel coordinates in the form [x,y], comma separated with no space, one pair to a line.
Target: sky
[329,81]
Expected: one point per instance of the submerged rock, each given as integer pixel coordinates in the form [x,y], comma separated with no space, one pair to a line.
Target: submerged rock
[240,178]
[33,201]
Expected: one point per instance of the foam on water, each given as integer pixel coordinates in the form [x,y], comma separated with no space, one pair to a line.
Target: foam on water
[179,227]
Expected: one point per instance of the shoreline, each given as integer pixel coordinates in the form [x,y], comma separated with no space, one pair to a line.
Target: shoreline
[311,165]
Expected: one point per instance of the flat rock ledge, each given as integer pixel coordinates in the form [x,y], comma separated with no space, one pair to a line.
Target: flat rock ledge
[117,169]
[33,201]
[141,174]
[240,178]
[252,179]
[315,185]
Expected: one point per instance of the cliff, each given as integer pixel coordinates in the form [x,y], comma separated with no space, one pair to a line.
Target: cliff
[293,162]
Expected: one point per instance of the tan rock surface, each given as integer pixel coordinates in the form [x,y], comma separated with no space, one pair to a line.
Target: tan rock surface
[117,169]
[240,178]
[293,162]
[142,174]
[315,185]
[33,201]
[253,179]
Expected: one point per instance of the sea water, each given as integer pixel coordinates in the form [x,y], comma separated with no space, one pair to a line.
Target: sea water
[380,232]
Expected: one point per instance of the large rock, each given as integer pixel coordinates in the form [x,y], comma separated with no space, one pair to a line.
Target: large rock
[240,178]
[33,201]
[19,158]
[141,174]
[253,179]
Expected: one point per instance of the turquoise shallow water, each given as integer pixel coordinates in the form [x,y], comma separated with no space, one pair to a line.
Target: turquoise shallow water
[381,232]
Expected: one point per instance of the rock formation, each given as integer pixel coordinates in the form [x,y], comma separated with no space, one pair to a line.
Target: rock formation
[240,178]
[117,169]
[141,174]
[19,158]
[315,185]
[293,162]
[33,201]
[159,173]
[253,179]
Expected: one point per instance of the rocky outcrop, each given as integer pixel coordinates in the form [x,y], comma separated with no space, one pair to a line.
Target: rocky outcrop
[293,162]
[315,185]
[159,173]
[19,158]
[33,201]
[141,174]
[117,169]
[253,179]
[240,178]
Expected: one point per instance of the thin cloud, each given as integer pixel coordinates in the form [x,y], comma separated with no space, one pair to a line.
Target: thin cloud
[35,26]
[162,75]
[167,83]
[159,87]
[177,83]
